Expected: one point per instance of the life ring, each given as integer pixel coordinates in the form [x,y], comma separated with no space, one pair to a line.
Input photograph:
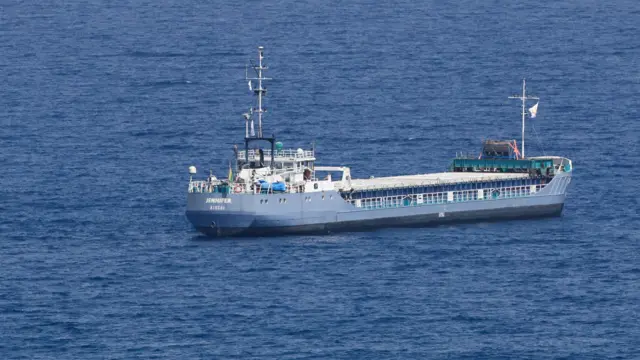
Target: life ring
[237,188]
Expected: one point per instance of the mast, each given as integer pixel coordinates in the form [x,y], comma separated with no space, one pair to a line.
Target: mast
[524,99]
[259,91]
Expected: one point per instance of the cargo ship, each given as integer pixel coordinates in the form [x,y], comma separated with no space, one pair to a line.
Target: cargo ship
[271,190]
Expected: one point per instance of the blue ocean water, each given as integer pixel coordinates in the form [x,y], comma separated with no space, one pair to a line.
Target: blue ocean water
[104,105]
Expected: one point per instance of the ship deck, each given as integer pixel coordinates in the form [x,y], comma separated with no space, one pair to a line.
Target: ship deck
[430,179]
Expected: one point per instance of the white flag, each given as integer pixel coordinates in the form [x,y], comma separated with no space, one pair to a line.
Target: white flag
[253,133]
[533,110]
[250,88]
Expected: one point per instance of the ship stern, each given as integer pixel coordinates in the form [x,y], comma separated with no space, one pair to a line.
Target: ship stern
[218,214]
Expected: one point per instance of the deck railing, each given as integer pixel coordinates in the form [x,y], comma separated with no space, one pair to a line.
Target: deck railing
[201,186]
[285,153]
[385,202]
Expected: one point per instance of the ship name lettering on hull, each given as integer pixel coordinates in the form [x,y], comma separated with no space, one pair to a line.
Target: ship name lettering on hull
[218,201]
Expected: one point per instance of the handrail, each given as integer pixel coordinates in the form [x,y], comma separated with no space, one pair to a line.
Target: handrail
[287,153]
[203,186]
[441,197]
